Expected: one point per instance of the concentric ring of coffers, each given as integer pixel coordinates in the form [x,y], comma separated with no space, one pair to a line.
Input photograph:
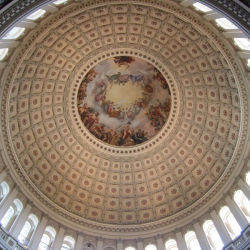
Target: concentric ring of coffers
[170,97]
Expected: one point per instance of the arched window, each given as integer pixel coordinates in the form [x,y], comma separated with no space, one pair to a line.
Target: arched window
[11,214]
[242,43]
[191,241]
[58,2]
[47,238]
[171,245]
[8,215]
[36,15]
[14,33]
[130,248]
[18,205]
[68,243]
[248,178]
[25,231]
[28,229]
[4,190]
[150,247]
[243,203]
[45,242]
[3,53]
[201,7]
[230,222]
[212,235]
[225,23]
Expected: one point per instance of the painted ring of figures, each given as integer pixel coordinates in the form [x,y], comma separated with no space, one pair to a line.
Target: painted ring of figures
[124,101]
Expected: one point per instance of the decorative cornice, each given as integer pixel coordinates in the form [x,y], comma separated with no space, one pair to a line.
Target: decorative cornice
[14,11]
[233,11]
[228,7]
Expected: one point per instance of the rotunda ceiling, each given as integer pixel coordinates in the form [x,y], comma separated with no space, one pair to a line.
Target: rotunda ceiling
[120,114]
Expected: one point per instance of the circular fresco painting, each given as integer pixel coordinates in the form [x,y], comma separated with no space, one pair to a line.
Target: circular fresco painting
[124,101]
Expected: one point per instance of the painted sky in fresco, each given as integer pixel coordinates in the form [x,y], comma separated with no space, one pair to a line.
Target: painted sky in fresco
[124,101]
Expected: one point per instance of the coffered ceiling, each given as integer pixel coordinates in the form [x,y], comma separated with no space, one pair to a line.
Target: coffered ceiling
[94,184]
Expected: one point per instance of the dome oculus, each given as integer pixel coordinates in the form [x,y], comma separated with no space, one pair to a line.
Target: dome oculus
[124,101]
